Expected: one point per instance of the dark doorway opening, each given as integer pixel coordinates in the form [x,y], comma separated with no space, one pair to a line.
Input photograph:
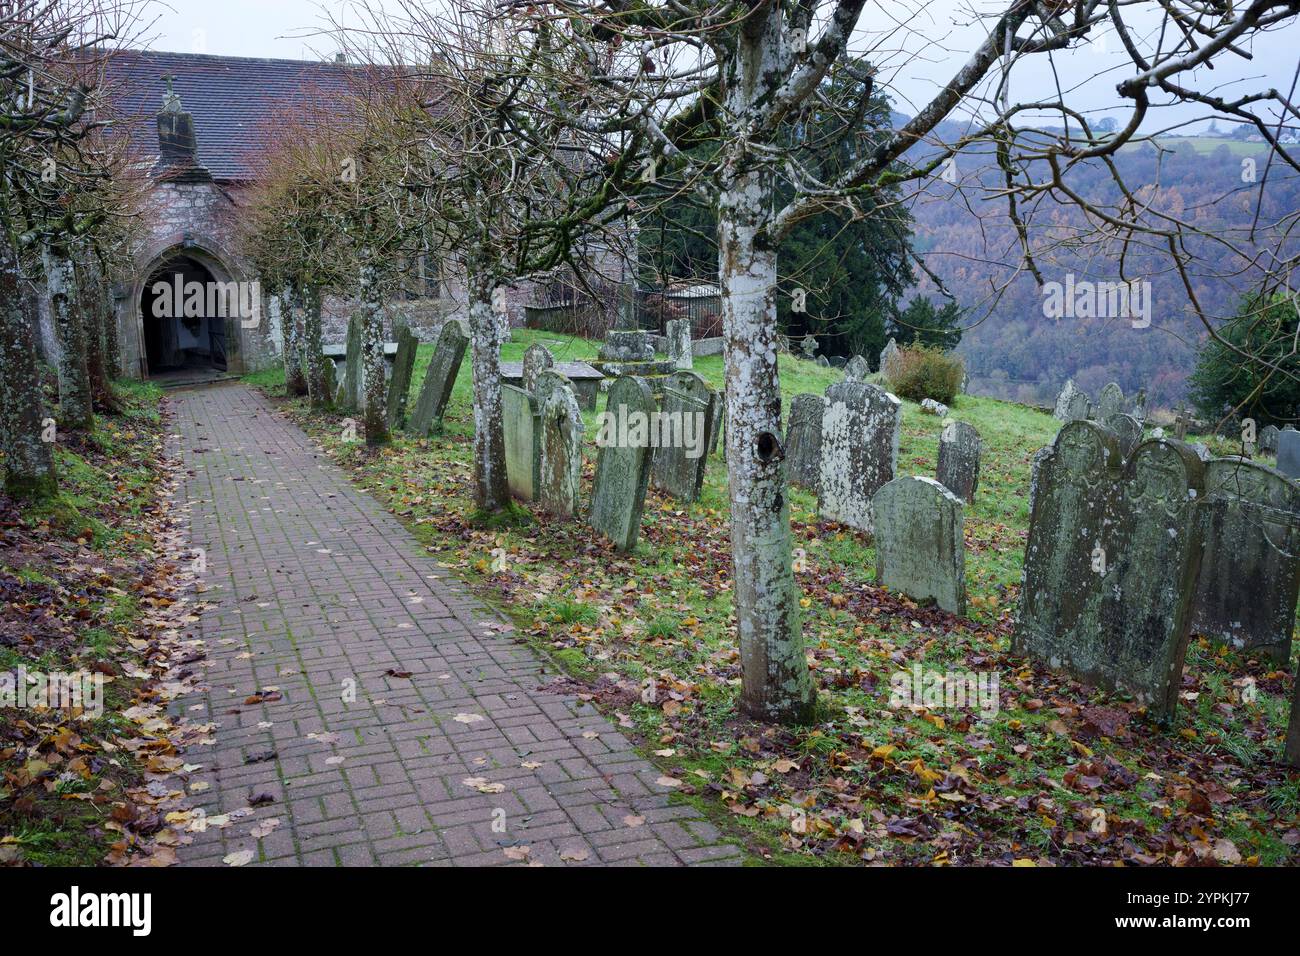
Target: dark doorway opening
[183,333]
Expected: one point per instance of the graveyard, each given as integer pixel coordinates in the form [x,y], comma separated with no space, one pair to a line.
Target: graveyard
[1066,773]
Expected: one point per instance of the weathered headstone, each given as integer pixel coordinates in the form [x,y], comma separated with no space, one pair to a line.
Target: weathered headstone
[888,354]
[521,423]
[719,422]
[1110,567]
[919,542]
[857,370]
[1250,569]
[438,380]
[678,333]
[809,346]
[1127,429]
[560,467]
[823,361]
[1109,402]
[1181,423]
[959,459]
[1140,406]
[623,463]
[932,407]
[537,359]
[353,390]
[803,441]
[1268,439]
[627,346]
[399,386]
[686,421]
[860,431]
[1072,404]
[1288,452]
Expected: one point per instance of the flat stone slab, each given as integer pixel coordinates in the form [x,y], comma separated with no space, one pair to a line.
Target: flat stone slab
[319,591]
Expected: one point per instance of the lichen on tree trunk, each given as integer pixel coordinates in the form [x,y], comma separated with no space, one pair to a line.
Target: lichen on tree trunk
[775,681]
[29,459]
[311,343]
[491,491]
[76,410]
[373,379]
[291,302]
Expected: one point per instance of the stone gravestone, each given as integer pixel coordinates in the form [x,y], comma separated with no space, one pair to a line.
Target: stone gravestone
[521,423]
[560,465]
[537,359]
[1127,429]
[686,422]
[1109,402]
[1288,452]
[622,464]
[353,391]
[331,380]
[1250,569]
[678,333]
[1072,404]
[1139,410]
[719,422]
[627,346]
[857,370]
[803,441]
[1268,439]
[809,346]
[959,459]
[823,361]
[1111,563]
[438,380]
[399,386]
[919,542]
[889,352]
[860,430]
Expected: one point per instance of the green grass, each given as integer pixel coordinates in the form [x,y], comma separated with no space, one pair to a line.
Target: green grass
[665,613]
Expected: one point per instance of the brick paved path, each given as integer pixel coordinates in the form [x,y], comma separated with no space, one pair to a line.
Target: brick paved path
[316,586]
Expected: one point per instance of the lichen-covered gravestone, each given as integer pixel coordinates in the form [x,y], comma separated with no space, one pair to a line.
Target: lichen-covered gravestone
[860,430]
[1250,569]
[809,347]
[1110,567]
[678,333]
[353,390]
[1268,439]
[959,459]
[1127,429]
[623,463]
[521,424]
[399,386]
[537,359]
[1109,402]
[887,355]
[438,380]
[803,441]
[857,370]
[1072,404]
[560,465]
[919,542]
[686,422]
[1288,452]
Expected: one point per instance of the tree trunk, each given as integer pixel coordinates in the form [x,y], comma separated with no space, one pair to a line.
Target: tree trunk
[491,492]
[373,379]
[76,408]
[295,382]
[29,459]
[775,682]
[93,304]
[311,340]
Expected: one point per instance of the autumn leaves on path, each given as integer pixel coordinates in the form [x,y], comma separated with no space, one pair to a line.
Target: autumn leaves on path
[367,709]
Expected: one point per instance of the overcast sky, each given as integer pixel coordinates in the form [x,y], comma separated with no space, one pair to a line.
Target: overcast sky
[918,44]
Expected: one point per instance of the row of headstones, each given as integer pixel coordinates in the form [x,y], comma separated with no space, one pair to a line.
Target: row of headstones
[435,391]
[543,430]
[1129,555]
[844,447]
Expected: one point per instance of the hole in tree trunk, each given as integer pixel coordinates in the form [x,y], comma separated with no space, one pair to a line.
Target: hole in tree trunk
[769,448]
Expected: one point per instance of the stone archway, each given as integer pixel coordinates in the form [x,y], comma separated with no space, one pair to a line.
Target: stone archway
[178,332]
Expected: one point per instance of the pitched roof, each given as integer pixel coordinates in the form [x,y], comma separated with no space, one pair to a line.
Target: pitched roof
[232,99]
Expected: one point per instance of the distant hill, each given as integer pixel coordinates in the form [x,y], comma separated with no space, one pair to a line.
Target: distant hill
[1012,350]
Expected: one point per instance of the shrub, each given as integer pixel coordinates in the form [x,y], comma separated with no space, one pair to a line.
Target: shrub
[918,373]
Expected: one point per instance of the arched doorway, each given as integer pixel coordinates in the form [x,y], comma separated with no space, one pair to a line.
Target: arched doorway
[183,333]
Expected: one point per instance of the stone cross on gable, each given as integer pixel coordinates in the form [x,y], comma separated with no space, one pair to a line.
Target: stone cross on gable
[171,101]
